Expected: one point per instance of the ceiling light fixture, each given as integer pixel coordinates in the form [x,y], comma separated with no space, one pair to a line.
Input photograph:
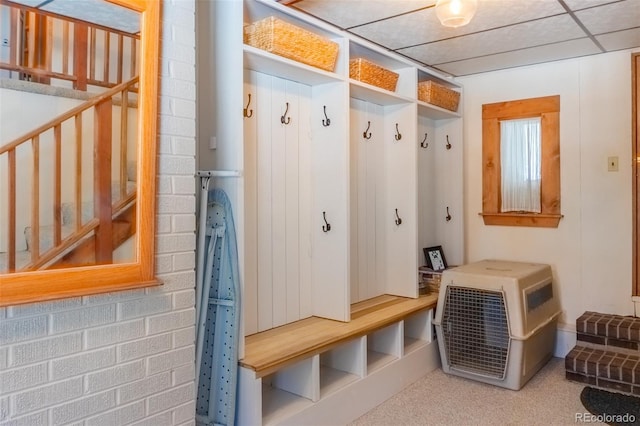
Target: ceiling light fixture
[455,13]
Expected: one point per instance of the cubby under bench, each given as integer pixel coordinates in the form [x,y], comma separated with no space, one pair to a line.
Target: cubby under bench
[320,371]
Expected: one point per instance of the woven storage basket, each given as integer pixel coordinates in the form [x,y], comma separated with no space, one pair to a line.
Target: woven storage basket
[362,70]
[284,39]
[438,95]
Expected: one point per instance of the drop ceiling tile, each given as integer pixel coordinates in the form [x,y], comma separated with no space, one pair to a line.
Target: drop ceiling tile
[528,34]
[98,12]
[534,55]
[611,17]
[618,40]
[423,26]
[349,13]
[585,4]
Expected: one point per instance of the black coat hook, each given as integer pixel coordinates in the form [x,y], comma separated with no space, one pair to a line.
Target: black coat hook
[424,143]
[284,119]
[364,134]
[327,226]
[398,136]
[448,216]
[448,143]
[244,112]
[398,220]
[326,121]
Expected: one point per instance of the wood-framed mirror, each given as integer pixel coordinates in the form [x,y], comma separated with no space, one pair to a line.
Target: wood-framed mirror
[93,232]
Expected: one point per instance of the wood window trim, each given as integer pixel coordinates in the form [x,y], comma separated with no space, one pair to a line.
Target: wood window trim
[44,285]
[635,151]
[548,109]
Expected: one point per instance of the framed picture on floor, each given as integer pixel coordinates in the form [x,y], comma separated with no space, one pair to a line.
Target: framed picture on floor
[435,258]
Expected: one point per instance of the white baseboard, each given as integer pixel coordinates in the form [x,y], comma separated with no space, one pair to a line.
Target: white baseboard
[565,340]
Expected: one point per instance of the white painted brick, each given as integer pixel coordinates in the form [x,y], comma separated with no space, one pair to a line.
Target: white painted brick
[169,360]
[82,318]
[4,357]
[164,264]
[180,107]
[40,350]
[144,306]
[44,396]
[142,388]
[144,347]
[35,419]
[179,89]
[112,297]
[22,378]
[179,16]
[162,419]
[184,185]
[75,365]
[163,186]
[184,299]
[3,313]
[170,399]
[112,377]
[188,423]
[184,261]
[183,223]
[183,35]
[120,416]
[171,321]
[83,408]
[184,413]
[176,204]
[178,53]
[179,281]
[183,146]
[4,408]
[178,126]
[31,309]
[165,144]
[18,330]
[184,374]
[163,224]
[177,165]
[184,337]
[114,333]
[175,243]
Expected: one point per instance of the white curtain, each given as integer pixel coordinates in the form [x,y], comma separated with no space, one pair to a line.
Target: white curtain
[520,162]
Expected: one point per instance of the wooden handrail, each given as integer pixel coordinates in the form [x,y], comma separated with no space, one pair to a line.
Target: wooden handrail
[64,117]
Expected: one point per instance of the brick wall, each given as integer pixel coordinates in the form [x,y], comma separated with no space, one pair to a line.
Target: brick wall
[125,357]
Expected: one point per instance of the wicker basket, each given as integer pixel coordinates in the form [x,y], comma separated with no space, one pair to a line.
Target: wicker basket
[284,39]
[438,95]
[362,70]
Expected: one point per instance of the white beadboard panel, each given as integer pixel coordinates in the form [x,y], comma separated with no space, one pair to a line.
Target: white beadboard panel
[534,55]
[282,105]
[505,39]
[620,39]
[263,240]
[375,201]
[426,186]
[250,282]
[356,122]
[424,27]
[611,17]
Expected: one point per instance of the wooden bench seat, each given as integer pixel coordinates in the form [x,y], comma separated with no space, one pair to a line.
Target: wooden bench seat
[269,351]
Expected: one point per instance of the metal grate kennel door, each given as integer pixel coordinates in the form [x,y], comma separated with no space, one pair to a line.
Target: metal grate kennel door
[476,331]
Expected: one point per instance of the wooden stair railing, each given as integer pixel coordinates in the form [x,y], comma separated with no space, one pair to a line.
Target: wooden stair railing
[84,54]
[104,209]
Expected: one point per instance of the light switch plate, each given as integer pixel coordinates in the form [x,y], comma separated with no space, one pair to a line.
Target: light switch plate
[612,164]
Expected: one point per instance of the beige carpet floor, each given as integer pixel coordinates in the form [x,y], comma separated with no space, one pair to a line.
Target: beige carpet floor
[442,399]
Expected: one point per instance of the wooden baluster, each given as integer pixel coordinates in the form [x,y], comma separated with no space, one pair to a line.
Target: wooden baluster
[107,55]
[102,181]
[57,186]
[134,58]
[65,47]
[11,257]
[124,124]
[80,55]
[92,55]
[78,196]
[120,52]
[35,202]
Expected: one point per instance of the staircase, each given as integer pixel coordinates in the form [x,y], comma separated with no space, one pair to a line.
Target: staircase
[607,353]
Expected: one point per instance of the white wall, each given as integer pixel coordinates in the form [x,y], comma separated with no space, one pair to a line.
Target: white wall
[590,251]
[125,357]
